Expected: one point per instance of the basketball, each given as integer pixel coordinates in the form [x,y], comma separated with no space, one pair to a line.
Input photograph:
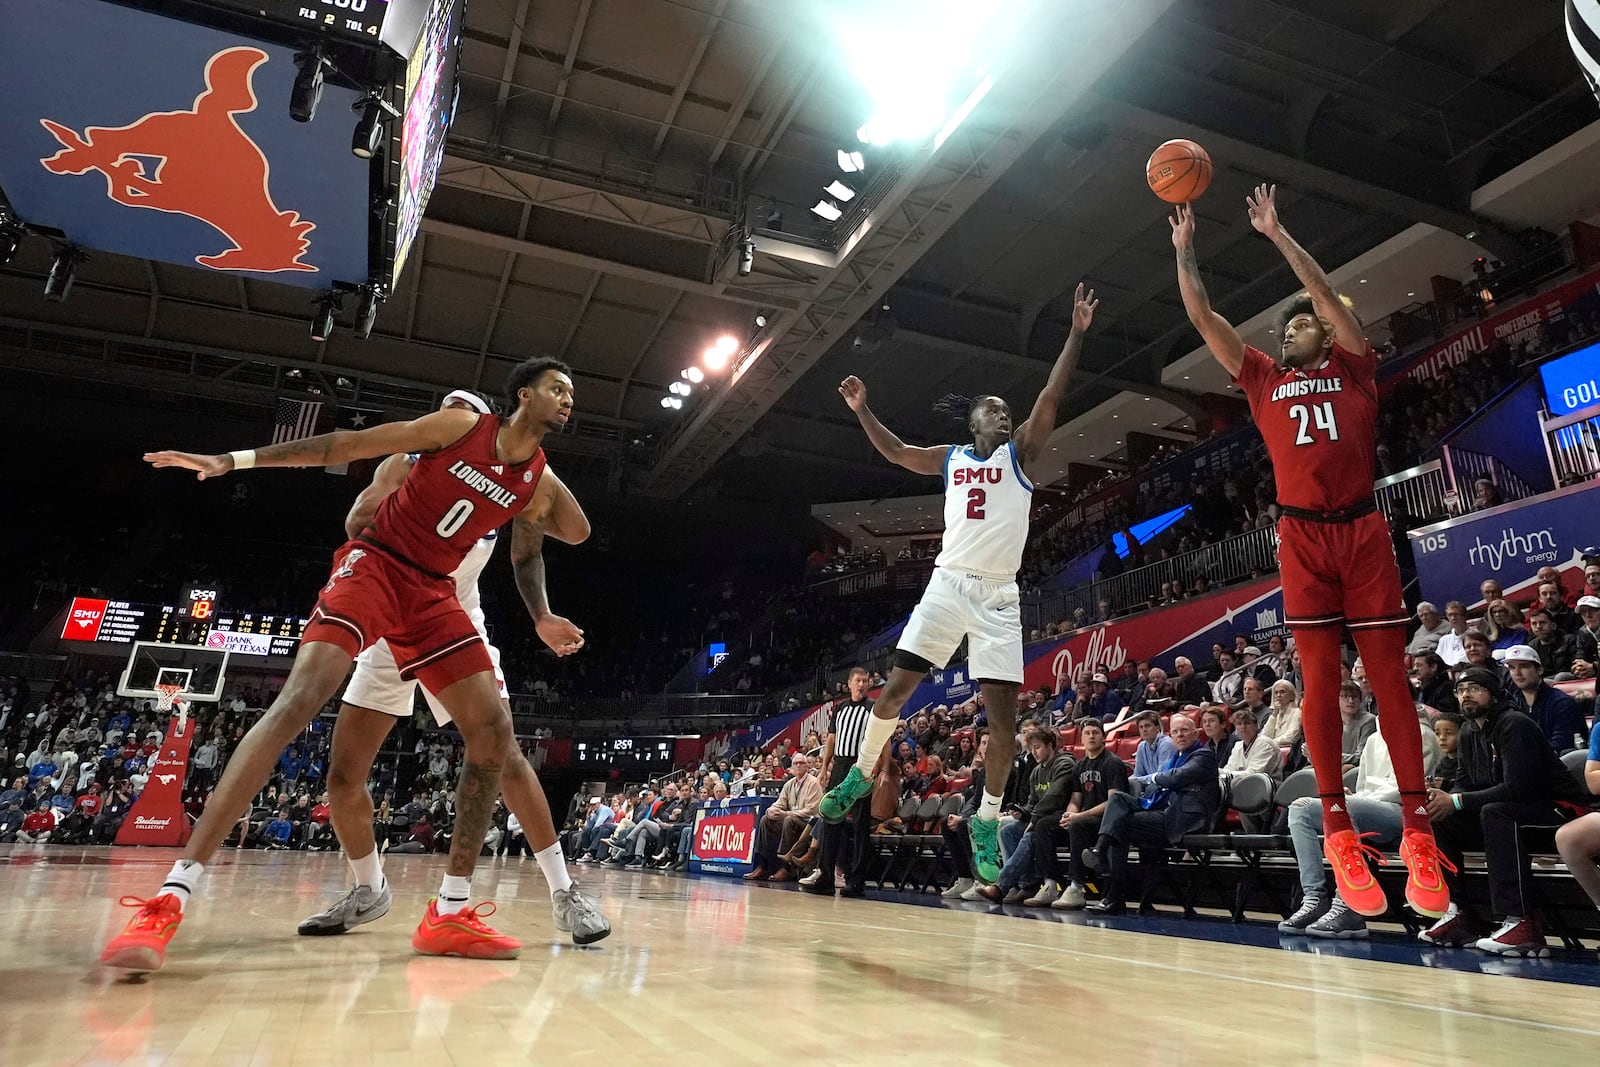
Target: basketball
[1179,171]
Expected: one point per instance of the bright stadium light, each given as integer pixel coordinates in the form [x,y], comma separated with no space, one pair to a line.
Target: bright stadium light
[677,403]
[694,374]
[840,191]
[715,358]
[679,388]
[727,344]
[851,162]
[827,209]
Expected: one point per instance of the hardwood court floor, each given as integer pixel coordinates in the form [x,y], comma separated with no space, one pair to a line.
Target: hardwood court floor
[704,969]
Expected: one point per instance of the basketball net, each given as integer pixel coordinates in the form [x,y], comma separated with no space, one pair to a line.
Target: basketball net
[167,700]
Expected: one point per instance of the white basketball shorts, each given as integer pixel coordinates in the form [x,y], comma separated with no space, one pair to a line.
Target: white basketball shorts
[985,611]
[377,684]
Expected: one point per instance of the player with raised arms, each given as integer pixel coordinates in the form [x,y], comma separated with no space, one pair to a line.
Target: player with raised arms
[474,472]
[1316,406]
[988,490]
[377,697]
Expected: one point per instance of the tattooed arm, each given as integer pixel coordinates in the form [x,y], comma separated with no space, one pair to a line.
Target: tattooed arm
[1218,332]
[1347,329]
[528,531]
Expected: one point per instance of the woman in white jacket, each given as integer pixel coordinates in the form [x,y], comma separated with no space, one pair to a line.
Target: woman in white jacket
[1283,725]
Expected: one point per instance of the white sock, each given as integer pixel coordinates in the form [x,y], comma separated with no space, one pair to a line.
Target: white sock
[368,870]
[182,880]
[455,893]
[988,807]
[877,734]
[554,866]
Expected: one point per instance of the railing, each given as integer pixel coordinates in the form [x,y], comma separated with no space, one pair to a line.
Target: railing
[1466,466]
[1221,563]
[1572,443]
[1423,493]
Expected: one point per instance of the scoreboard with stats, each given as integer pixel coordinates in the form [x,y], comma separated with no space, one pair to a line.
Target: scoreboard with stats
[626,752]
[195,621]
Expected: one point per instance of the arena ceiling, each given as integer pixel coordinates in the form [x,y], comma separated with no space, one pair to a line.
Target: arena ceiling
[608,156]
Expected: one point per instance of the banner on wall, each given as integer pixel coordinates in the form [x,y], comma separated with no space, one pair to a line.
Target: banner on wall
[1508,544]
[724,840]
[1514,325]
[1188,628]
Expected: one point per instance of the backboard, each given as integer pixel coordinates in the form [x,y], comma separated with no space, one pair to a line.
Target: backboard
[200,670]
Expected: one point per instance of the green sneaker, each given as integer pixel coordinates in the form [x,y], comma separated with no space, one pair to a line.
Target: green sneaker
[838,801]
[985,834]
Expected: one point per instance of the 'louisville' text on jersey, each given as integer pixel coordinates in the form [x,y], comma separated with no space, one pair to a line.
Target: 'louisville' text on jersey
[1306,386]
[484,484]
[972,476]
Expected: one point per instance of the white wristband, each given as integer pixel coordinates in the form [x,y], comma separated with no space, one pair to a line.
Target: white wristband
[243,461]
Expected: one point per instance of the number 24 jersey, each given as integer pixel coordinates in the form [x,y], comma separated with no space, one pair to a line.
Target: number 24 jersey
[1320,426]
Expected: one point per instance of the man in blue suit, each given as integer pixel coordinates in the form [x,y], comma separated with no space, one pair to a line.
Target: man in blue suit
[1181,798]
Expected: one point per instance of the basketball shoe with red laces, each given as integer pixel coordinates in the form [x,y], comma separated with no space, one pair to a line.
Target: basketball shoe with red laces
[142,945]
[1347,854]
[1426,890]
[463,933]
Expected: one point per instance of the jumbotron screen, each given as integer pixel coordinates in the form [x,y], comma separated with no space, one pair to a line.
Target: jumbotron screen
[431,80]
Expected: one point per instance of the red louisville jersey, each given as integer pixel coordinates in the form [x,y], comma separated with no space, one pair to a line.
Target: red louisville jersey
[452,498]
[1320,426]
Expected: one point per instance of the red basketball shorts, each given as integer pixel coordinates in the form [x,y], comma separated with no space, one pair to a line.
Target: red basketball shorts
[1340,573]
[371,595]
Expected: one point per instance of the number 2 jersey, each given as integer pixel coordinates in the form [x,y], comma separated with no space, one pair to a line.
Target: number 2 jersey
[986,504]
[452,499]
[1320,426]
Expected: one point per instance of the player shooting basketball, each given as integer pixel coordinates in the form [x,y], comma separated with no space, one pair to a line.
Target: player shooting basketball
[1317,406]
[474,472]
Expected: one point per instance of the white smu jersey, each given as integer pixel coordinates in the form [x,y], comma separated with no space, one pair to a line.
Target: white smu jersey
[986,503]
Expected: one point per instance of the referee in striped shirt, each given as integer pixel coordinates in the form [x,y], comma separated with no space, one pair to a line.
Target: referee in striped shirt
[847,725]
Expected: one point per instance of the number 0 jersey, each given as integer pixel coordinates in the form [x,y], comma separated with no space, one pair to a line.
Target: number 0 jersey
[452,499]
[1320,426]
[986,503]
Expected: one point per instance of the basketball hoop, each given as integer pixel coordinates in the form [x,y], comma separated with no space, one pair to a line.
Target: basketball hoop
[166,698]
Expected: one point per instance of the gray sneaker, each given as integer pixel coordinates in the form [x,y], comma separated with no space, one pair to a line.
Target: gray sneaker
[363,904]
[576,915]
[1313,906]
[1340,922]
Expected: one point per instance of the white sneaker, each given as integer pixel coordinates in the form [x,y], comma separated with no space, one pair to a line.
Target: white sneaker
[973,894]
[1047,895]
[955,891]
[813,878]
[1071,898]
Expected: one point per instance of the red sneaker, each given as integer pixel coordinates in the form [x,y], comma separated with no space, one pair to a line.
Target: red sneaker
[142,945]
[1348,856]
[1516,937]
[1426,890]
[463,934]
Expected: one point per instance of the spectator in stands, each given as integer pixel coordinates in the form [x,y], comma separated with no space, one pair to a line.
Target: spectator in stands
[1283,726]
[628,843]
[1216,670]
[1586,650]
[1554,601]
[1096,777]
[785,821]
[1478,654]
[1579,841]
[12,817]
[954,830]
[1485,494]
[1037,809]
[1131,680]
[1255,699]
[601,818]
[1359,724]
[1374,807]
[1434,686]
[1489,591]
[1101,702]
[279,830]
[1190,687]
[1504,626]
[1447,731]
[669,820]
[1229,687]
[38,825]
[1430,627]
[1510,778]
[1154,748]
[1251,754]
[1256,666]
[1556,713]
[1158,694]
[1217,731]
[1556,650]
[1181,798]
[1450,643]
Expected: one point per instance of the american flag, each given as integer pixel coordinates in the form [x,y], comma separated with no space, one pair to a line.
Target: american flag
[1583,33]
[294,419]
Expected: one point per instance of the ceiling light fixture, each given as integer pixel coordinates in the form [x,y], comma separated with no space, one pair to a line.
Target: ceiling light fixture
[851,162]
[694,374]
[840,191]
[827,209]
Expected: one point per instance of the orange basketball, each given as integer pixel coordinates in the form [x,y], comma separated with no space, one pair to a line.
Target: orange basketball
[1178,171]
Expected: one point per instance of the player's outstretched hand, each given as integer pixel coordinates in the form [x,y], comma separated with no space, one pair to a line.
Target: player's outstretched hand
[1263,208]
[203,466]
[1083,307]
[854,391]
[563,638]
[1182,227]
